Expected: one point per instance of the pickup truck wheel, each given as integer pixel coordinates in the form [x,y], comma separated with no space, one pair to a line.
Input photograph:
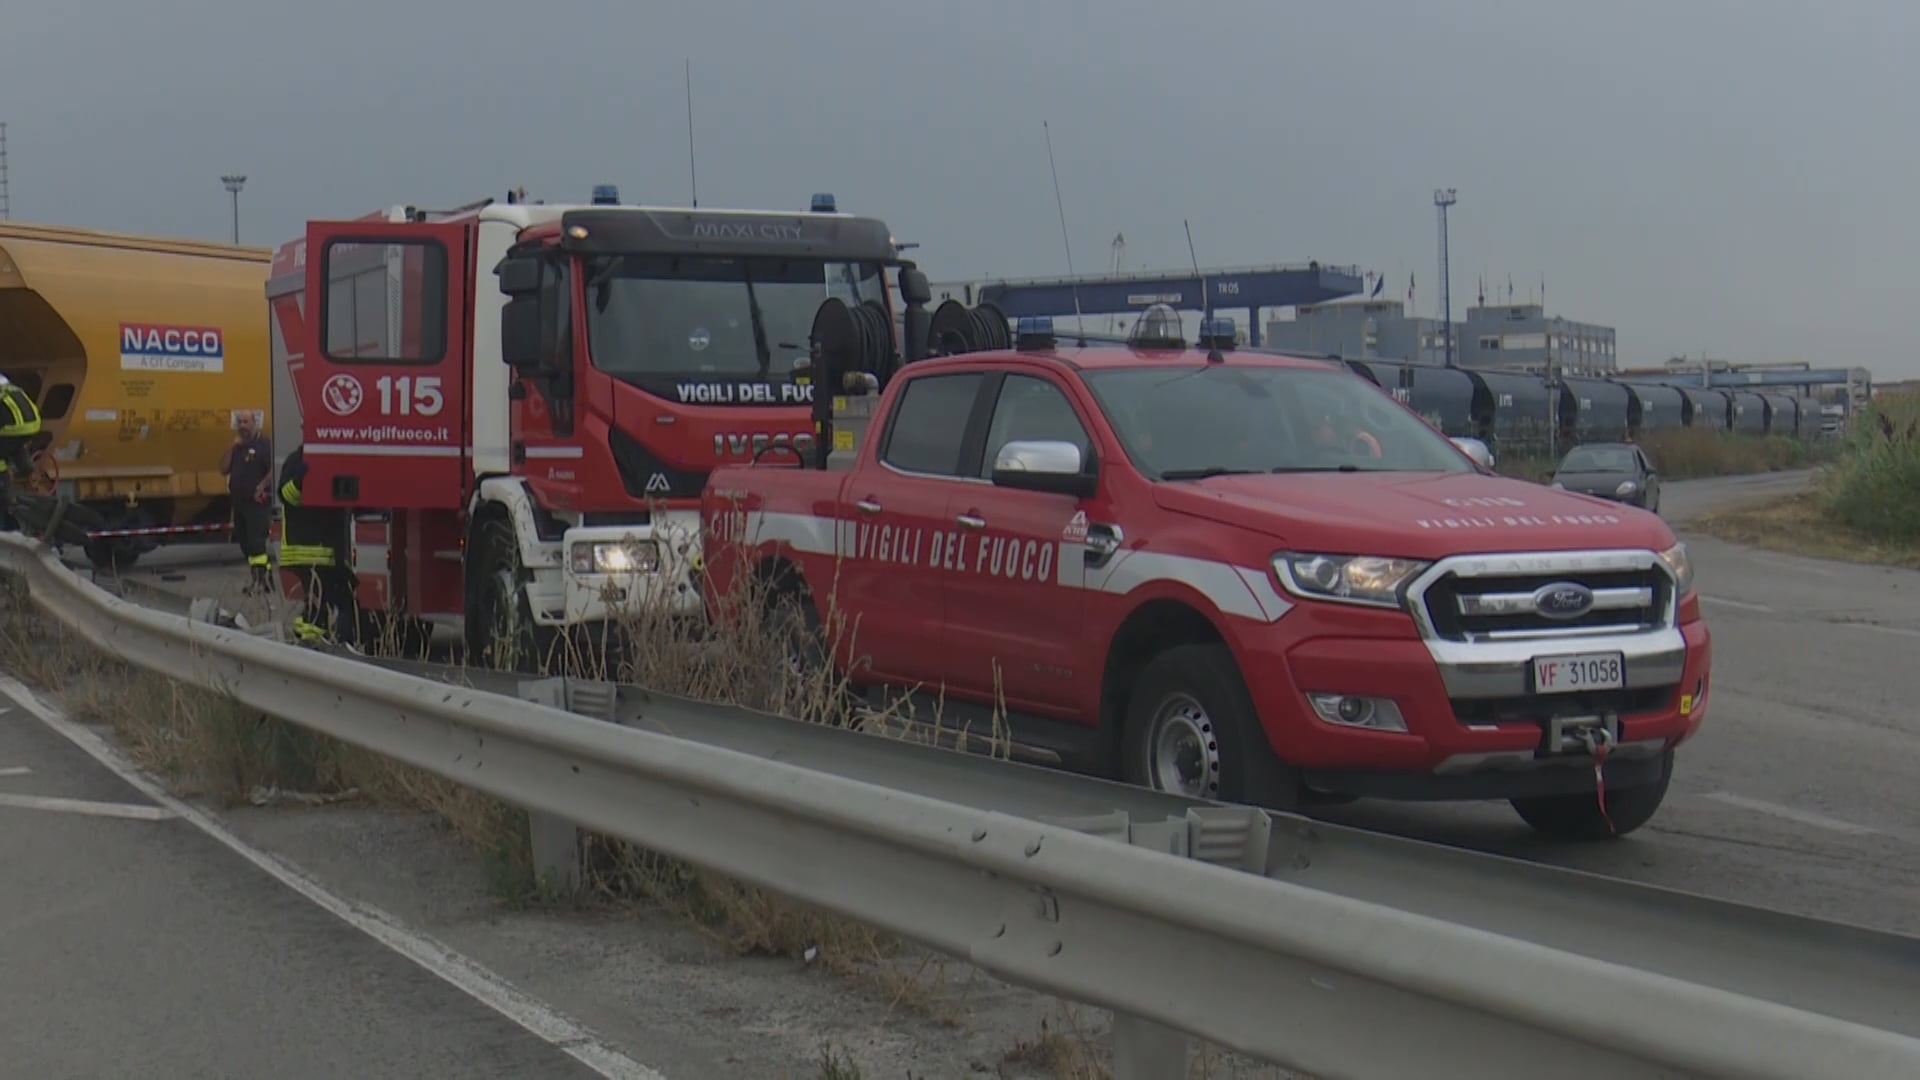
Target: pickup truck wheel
[1578,817]
[1191,729]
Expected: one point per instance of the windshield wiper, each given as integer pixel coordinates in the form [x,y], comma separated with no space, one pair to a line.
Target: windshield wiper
[761,352]
[1202,474]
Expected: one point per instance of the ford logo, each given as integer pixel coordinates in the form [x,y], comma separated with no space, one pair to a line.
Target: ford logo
[1563,600]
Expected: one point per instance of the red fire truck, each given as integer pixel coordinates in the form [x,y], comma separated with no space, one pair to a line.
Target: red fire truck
[519,402]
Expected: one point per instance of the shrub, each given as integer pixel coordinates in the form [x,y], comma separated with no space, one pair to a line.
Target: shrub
[1874,487]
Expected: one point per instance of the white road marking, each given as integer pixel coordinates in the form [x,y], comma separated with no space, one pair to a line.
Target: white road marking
[462,972]
[86,806]
[1744,605]
[15,770]
[1804,817]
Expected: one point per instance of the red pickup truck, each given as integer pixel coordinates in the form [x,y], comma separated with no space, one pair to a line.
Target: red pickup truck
[1238,576]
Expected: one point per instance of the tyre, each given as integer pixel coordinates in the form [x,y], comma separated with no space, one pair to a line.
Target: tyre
[500,631]
[1578,817]
[1191,729]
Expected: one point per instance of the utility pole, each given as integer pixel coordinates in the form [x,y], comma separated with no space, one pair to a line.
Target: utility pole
[1443,198]
[6,201]
[234,183]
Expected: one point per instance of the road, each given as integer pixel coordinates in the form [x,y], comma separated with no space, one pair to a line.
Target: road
[1800,791]
[134,943]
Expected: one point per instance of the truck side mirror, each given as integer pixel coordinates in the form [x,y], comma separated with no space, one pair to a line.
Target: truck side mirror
[1477,450]
[520,333]
[1043,465]
[913,286]
[519,276]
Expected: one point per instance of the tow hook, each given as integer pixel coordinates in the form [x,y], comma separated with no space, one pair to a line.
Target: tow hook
[1597,740]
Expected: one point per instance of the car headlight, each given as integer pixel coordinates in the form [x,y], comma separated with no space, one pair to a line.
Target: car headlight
[615,557]
[1352,579]
[1626,488]
[1681,567]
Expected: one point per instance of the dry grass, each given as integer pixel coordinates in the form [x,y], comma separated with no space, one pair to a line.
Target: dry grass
[1697,453]
[209,746]
[1803,525]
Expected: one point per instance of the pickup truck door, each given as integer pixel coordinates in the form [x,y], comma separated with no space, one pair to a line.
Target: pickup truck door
[897,534]
[1006,604]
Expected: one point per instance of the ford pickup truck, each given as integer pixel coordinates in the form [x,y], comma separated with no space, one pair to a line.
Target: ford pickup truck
[1245,577]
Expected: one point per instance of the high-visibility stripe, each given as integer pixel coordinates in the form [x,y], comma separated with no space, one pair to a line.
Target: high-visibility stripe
[305,555]
[1243,591]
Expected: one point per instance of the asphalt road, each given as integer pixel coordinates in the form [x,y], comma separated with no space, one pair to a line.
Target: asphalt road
[138,945]
[1802,791]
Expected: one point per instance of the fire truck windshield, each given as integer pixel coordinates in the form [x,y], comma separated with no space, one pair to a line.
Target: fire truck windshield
[655,319]
[1180,423]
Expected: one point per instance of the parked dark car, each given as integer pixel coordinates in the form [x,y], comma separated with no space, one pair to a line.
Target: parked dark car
[1618,471]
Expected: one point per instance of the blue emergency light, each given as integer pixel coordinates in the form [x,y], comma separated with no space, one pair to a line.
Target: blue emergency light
[823,203]
[1034,332]
[606,195]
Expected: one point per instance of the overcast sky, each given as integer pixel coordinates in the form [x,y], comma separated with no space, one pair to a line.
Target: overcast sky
[1735,176]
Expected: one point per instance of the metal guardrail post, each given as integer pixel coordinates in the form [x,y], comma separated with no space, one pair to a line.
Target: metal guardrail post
[1235,837]
[555,841]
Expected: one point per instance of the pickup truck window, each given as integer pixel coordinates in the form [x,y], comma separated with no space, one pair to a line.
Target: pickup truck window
[928,431]
[1032,408]
[1184,422]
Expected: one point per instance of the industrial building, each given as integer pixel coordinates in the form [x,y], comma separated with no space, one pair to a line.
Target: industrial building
[1525,336]
[1362,329]
[1511,336]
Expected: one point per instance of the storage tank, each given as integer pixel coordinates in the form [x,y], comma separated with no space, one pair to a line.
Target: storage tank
[142,353]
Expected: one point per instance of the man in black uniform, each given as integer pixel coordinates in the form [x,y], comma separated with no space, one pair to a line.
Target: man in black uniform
[314,544]
[248,467]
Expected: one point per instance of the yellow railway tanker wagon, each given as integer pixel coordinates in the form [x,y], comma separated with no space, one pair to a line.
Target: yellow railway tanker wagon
[142,353]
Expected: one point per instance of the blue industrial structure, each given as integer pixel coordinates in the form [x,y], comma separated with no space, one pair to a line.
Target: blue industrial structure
[1234,289]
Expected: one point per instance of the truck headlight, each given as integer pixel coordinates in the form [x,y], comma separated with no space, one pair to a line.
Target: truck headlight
[1626,488]
[615,556]
[1352,579]
[1681,566]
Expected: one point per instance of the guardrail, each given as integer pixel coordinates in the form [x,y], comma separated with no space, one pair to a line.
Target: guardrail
[1214,921]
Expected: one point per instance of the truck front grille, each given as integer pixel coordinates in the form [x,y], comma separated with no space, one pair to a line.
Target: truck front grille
[1625,704]
[1513,597]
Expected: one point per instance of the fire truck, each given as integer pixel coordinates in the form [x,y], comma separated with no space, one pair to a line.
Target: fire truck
[519,402]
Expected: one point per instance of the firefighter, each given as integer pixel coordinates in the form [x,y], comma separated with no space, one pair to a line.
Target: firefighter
[314,544]
[19,426]
[248,467]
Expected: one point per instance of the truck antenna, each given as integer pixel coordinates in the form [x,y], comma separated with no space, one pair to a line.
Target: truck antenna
[1079,319]
[1206,298]
[693,178]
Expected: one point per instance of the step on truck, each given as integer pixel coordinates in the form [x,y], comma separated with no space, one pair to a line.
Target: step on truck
[519,403]
[1223,573]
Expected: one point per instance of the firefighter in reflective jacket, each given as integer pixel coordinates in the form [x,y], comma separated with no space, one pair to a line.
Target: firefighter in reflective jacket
[314,545]
[19,426]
